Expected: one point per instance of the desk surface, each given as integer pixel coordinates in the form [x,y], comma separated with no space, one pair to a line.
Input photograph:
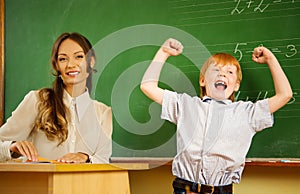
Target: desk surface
[120,164]
[275,162]
[48,167]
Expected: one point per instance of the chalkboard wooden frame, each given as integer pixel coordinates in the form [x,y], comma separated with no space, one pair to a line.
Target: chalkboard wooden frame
[1,61]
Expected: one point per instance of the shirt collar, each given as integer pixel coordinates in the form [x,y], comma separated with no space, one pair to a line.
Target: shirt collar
[208,99]
[82,102]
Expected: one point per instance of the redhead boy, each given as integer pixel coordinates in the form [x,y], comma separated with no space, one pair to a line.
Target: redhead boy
[214,133]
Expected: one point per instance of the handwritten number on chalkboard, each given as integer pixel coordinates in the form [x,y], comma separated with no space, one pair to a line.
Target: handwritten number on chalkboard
[236,8]
[258,8]
[238,51]
[291,48]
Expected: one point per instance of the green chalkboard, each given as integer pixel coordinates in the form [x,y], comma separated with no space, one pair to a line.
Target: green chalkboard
[126,35]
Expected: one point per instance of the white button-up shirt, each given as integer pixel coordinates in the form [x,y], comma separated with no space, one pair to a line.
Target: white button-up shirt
[213,137]
[89,129]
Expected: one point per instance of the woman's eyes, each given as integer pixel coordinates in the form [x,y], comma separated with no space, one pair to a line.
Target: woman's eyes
[80,56]
[62,59]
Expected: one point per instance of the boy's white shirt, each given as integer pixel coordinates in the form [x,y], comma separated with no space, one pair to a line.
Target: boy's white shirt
[220,159]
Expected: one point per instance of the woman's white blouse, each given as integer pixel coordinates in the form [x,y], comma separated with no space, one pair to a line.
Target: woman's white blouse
[89,129]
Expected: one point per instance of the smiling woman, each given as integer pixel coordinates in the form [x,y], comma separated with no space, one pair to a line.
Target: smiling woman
[62,123]
[72,67]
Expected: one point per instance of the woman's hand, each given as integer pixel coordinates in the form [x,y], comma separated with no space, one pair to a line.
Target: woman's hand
[25,148]
[74,158]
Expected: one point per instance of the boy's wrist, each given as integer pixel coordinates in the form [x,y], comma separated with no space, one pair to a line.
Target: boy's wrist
[161,55]
[272,62]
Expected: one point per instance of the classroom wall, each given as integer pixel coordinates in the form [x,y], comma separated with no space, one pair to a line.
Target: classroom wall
[255,180]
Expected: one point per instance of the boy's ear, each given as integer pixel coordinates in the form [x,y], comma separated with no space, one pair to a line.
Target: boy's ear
[202,81]
[237,86]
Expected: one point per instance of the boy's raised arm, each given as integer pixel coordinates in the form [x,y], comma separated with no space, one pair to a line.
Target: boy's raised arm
[283,91]
[149,85]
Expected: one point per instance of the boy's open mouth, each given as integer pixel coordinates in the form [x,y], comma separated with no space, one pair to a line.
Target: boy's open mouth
[220,85]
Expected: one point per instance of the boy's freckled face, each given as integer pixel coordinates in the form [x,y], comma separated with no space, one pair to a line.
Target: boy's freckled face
[220,81]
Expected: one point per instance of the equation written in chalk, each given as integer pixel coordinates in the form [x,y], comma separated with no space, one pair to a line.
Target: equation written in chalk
[289,50]
[255,5]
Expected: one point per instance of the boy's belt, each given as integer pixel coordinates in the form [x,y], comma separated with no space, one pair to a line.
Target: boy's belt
[195,187]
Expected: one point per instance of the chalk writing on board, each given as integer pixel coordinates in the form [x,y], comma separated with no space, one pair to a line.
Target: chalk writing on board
[289,51]
[256,6]
[260,95]
[293,50]
[293,99]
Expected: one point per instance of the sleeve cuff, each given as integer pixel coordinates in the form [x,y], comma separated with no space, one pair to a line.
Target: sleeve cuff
[5,150]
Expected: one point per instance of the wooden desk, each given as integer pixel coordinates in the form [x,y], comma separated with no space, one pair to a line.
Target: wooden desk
[155,162]
[46,178]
